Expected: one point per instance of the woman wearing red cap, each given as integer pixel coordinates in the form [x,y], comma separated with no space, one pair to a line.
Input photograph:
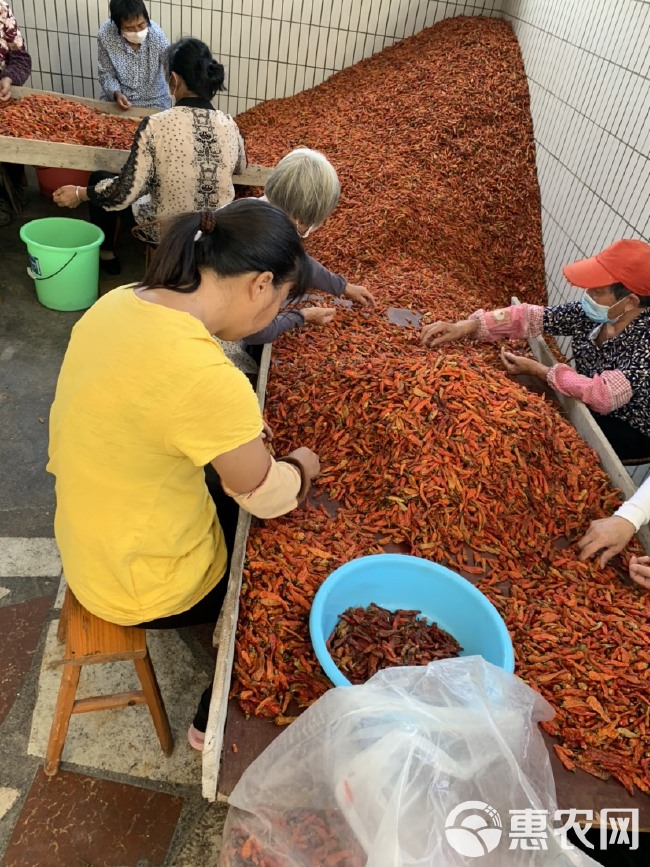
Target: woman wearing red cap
[610,328]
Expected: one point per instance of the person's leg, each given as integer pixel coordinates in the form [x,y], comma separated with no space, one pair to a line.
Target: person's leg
[207,609]
[11,191]
[107,222]
[629,443]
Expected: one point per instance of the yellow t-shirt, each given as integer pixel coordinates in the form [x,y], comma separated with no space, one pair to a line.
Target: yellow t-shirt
[145,398]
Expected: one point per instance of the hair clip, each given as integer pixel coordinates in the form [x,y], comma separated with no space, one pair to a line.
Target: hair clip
[198,236]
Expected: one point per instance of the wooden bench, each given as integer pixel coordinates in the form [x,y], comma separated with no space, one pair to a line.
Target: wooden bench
[91,641]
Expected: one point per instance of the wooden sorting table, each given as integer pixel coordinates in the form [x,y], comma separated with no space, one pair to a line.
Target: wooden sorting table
[233,741]
[33,152]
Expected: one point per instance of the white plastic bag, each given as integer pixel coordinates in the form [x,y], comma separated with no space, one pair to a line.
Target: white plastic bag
[418,766]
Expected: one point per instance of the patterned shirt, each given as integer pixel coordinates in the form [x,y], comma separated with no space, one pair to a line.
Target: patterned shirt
[137,73]
[181,160]
[613,378]
[15,62]
[628,352]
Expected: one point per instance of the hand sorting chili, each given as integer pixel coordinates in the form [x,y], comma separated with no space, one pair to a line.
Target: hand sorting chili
[366,640]
[54,118]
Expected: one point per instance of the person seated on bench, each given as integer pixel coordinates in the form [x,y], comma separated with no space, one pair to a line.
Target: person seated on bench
[131,53]
[611,535]
[610,327]
[304,184]
[146,399]
[181,160]
[15,68]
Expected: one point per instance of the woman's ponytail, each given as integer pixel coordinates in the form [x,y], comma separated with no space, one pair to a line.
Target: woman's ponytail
[245,236]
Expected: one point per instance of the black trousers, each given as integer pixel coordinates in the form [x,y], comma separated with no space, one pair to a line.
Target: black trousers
[107,220]
[207,609]
[628,442]
[11,182]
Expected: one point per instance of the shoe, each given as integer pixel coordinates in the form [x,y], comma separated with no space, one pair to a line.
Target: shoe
[110,266]
[196,738]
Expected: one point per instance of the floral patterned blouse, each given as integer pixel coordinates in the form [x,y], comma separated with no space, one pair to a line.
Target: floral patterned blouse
[15,62]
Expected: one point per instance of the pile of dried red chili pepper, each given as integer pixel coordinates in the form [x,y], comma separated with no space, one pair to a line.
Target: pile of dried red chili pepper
[54,118]
[320,838]
[366,640]
[438,452]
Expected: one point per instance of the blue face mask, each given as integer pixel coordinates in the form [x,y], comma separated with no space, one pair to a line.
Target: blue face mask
[597,312]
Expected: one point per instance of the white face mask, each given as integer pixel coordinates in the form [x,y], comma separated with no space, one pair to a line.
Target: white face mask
[599,312]
[138,37]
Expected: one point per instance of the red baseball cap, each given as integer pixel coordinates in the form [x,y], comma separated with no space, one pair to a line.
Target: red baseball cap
[626,262]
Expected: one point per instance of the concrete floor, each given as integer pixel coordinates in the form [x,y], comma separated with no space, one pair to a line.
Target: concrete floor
[117,800]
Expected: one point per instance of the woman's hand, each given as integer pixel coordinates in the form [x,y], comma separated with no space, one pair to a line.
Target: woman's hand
[640,571]
[69,196]
[438,333]
[359,295]
[520,364]
[308,460]
[318,315]
[267,431]
[121,100]
[612,534]
[5,88]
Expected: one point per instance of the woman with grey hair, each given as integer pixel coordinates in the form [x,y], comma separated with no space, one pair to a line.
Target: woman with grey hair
[304,185]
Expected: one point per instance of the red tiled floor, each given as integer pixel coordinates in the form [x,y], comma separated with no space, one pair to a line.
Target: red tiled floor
[73,820]
[20,626]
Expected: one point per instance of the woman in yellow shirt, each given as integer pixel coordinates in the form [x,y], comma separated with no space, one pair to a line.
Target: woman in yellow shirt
[146,399]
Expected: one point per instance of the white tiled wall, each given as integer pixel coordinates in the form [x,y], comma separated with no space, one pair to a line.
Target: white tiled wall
[270,48]
[588,64]
[588,68]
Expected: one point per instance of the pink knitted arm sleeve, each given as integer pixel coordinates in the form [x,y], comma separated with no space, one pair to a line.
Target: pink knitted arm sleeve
[519,320]
[603,393]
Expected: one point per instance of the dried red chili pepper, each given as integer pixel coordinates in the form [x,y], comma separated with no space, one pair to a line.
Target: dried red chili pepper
[366,640]
[319,838]
[56,119]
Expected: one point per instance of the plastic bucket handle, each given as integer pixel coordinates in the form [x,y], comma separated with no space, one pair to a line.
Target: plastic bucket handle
[49,276]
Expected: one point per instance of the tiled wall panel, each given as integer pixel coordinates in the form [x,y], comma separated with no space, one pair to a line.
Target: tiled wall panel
[270,48]
[588,69]
[587,65]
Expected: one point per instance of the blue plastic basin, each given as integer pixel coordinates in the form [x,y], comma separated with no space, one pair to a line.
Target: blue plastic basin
[400,581]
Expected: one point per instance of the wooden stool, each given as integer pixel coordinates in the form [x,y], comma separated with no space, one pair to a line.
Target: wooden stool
[89,641]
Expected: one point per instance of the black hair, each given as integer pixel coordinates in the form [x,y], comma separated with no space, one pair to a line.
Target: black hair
[246,235]
[123,10]
[193,61]
[621,291]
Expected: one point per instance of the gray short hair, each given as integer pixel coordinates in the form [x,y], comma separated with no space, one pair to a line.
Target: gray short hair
[304,184]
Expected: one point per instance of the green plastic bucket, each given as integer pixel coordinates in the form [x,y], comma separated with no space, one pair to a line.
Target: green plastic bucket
[63,261]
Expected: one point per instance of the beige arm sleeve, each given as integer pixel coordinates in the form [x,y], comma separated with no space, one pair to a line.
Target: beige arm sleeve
[281,491]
